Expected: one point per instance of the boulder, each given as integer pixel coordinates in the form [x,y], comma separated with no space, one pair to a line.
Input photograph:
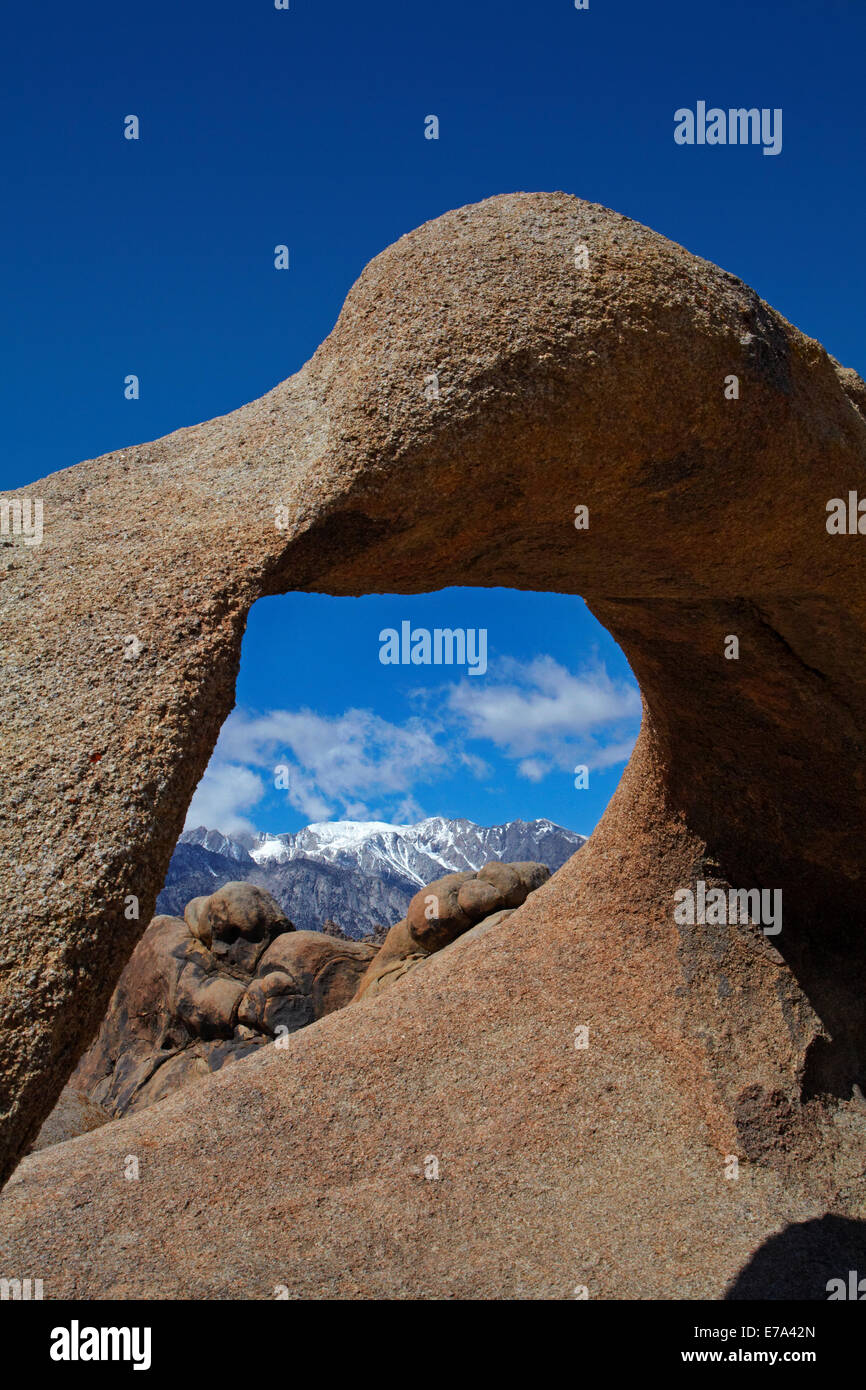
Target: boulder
[531,876]
[197,923]
[241,920]
[445,910]
[435,916]
[176,1012]
[476,898]
[506,883]
[184,1008]
[302,977]
[207,1001]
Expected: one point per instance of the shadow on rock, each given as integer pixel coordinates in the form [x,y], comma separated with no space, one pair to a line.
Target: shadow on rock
[822,1260]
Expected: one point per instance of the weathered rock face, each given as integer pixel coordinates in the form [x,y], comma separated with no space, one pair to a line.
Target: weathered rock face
[303,977]
[238,923]
[75,1113]
[209,989]
[445,910]
[556,387]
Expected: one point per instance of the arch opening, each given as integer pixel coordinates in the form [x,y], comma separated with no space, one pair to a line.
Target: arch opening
[377,747]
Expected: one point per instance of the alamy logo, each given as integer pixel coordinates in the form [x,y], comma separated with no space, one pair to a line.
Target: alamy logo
[855,1289]
[761,906]
[21,517]
[19,1290]
[847,520]
[76,1343]
[444,646]
[737,126]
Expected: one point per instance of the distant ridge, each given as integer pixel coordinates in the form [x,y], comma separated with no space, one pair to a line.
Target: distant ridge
[357,873]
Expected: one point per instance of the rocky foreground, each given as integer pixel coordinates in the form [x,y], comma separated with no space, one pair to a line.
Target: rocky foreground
[233,974]
[586,1076]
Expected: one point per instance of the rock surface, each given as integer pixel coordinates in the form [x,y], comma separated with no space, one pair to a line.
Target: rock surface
[559,1166]
[208,989]
[74,1114]
[444,911]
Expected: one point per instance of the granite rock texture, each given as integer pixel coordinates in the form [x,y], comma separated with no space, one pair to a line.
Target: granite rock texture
[206,990]
[556,386]
[75,1113]
[443,911]
[210,988]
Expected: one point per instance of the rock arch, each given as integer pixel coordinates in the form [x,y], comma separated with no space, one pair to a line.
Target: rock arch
[555,385]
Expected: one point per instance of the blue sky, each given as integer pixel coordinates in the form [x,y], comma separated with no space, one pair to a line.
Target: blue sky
[306,127]
[367,741]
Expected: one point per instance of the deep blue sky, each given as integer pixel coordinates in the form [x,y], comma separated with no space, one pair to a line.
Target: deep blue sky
[306,127]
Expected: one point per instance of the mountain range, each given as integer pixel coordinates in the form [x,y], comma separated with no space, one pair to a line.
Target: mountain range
[358,874]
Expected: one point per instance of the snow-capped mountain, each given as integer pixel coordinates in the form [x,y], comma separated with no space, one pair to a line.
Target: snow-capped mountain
[218,843]
[357,873]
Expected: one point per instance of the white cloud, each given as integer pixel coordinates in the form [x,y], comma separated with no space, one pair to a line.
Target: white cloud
[610,754]
[547,717]
[409,812]
[533,769]
[302,794]
[223,793]
[479,769]
[337,765]
[358,766]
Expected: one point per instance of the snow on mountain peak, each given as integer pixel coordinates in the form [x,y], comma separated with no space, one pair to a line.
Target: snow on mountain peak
[351,832]
[270,849]
[359,873]
[419,850]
